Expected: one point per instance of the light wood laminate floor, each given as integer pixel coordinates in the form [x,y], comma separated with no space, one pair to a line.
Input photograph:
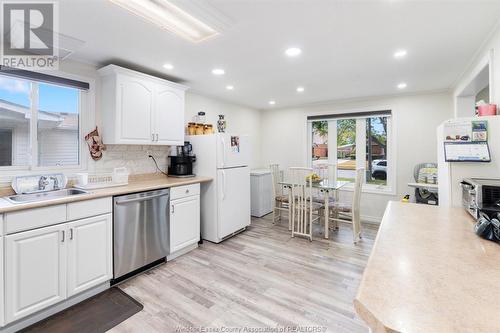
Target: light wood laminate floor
[258,279]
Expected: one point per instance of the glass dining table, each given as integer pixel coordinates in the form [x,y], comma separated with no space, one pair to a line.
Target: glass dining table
[328,188]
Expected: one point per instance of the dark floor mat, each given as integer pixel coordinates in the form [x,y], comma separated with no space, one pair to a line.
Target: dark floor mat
[96,314]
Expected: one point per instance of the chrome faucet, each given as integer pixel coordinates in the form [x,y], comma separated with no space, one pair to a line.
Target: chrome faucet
[55,182]
[42,183]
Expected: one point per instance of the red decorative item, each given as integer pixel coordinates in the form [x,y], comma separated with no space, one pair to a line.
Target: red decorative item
[95,144]
[487,110]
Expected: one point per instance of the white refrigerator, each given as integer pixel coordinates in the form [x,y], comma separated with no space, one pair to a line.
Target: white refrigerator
[225,202]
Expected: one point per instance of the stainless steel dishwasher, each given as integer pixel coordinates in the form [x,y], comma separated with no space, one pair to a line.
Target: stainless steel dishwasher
[141,231]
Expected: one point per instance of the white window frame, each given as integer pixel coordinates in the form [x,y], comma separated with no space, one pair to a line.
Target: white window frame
[390,188]
[86,124]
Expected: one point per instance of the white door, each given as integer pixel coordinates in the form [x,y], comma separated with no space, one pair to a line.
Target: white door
[232,151]
[169,116]
[35,271]
[233,204]
[135,98]
[89,253]
[184,222]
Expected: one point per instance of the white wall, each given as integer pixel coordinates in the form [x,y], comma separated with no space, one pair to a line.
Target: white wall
[415,119]
[240,120]
[491,44]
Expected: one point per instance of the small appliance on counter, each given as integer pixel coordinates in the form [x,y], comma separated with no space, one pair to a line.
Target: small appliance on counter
[481,195]
[181,165]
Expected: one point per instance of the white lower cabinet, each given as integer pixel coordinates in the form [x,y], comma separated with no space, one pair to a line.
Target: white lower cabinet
[184,222]
[47,265]
[2,305]
[35,271]
[89,253]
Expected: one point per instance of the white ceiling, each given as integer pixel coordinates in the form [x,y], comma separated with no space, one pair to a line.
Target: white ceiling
[347,45]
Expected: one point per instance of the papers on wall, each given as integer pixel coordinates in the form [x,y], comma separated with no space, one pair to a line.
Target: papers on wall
[235,144]
[466,141]
[458,130]
[467,152]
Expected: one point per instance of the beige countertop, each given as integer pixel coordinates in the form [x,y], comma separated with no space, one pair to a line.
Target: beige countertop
[429,272]
[139,184]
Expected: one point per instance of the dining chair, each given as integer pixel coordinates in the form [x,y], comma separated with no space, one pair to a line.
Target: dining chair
[303,208]
[280,198]
[326,171]
[350,212]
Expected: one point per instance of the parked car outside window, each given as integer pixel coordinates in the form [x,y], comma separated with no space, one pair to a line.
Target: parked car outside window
[379,169]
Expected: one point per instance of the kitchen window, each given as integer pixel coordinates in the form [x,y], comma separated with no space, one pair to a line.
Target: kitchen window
[40,121]
[351,141]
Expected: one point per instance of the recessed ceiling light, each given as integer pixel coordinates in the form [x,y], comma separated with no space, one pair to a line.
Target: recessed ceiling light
[399,54]
[300,89]
[272,102]
[169,17]
[218,71]
[402,85]
[230,87]
[293,51]
[168,66]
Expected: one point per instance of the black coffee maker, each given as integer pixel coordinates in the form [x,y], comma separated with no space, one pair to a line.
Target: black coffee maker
[181,165]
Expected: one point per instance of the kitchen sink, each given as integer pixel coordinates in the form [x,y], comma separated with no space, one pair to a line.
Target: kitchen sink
[44,196]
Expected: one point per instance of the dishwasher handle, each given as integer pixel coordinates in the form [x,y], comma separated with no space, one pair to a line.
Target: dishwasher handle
[141,198]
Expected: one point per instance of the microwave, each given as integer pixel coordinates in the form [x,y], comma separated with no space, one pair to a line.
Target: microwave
[481,195]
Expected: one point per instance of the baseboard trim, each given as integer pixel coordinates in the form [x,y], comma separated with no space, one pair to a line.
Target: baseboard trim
[182,251]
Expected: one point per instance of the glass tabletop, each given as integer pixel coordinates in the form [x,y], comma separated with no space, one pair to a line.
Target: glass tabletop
[324,184]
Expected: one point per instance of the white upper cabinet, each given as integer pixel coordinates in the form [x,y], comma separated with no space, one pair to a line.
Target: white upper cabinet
[141,109]
[169,115]
[135,99]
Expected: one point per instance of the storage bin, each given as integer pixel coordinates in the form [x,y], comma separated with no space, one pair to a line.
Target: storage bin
[261,192]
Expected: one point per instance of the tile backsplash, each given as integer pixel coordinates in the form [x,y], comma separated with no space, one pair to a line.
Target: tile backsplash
[134,158]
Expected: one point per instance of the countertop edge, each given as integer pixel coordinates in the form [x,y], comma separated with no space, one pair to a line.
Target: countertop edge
[375,324]
[132,187]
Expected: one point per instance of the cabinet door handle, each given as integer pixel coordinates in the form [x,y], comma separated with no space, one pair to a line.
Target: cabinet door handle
[173,209]
[157,137]
[63,236]
[71,234]
[153,137]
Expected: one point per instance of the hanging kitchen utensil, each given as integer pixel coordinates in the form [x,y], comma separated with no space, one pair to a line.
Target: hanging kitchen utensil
[96,147]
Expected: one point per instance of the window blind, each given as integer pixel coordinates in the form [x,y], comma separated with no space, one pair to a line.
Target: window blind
[45,78]
[350,115]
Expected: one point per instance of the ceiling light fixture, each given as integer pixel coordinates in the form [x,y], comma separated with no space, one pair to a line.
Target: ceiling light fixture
[230,87]
[168,66]
[400,54]
[272,102]
[293,52]
[300,89]
[169,17]
[402,85]
[218,71]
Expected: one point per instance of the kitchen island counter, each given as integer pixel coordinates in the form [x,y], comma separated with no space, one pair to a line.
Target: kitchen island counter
[429,272]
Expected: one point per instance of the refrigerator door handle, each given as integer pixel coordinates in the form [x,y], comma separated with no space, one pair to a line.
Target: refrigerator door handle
[223,142]
[223,185]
